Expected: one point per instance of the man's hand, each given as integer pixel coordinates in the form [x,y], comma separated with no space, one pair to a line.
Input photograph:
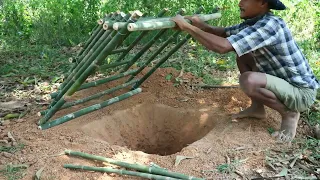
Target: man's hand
[180,21]
[196,21]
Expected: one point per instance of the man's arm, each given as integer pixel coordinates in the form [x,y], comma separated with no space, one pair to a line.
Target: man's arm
[209,40]
[219,31]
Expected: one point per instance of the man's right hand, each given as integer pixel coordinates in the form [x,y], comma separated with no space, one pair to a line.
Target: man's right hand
[196,21]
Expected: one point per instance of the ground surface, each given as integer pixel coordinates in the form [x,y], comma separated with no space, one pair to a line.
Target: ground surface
[164,120]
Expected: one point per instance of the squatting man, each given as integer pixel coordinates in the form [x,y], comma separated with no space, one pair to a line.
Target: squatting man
[274,71]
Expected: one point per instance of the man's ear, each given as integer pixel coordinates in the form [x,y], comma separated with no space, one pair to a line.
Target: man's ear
[265,3]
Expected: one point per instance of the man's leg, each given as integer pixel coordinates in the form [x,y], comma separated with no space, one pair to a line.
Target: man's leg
[254,85]
[256,110]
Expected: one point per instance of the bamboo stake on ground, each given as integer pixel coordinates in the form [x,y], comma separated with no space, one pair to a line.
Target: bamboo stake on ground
[138,167]
[120,172]
[89,109]
[95,96]
[165,24]
[100,81]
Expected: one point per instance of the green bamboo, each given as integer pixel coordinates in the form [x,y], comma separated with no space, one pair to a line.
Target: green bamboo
[93,34]
[88,109]
[99,82]
[85,71]
[163,46]
[116,51]
[165,24]
[112,65]
[105,52]
[95,96]
[146,47]
[119,172]
[138,39]
[98,37]
[138,167]
[163,60]
[87,60]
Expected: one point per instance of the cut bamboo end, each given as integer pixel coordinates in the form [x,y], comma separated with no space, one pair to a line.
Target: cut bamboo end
[100,21]
[137,13]
[131,26]
[70,60]
[116,26]
[39,114]
[105,26]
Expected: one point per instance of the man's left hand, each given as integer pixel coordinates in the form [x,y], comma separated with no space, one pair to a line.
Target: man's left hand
[180,21]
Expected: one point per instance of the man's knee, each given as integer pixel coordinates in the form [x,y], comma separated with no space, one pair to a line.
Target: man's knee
[250,81]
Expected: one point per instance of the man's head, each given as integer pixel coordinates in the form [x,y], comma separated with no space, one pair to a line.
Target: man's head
[252,8]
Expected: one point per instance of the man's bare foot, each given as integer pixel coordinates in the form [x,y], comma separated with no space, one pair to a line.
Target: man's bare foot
[251,112]
[288,127]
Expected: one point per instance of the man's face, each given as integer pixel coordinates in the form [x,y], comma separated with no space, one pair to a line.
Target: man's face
[251,8]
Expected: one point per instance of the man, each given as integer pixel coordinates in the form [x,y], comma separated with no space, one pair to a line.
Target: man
[274,72]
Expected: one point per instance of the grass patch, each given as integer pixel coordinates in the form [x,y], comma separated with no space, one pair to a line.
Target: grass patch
[14,172]
[12,149]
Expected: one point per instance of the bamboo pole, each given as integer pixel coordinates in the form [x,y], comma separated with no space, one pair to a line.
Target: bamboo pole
[94,33]
[136,41]
[119,172]
[163,60]
[88,57]
[87,68]
[150,43]
[100,81]
[138,167]
[165,24]
[116,51]
[106,51]
[89,109]
[163,46]
[95,96]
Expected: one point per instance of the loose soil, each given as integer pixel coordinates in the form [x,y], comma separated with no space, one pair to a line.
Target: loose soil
[154,126]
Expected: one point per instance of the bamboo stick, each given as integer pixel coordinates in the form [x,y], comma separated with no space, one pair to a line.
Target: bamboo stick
[80,76]
[165,24]
[95,96]
[119,172]
[87,60]
[116,51]
[99,82]
[138,39]
[116,64]
[163,46]
[138,167]
[88,109]
[93,34]
[163,60]
[111,45]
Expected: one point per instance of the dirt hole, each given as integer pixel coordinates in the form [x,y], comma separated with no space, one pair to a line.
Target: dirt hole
[153,128]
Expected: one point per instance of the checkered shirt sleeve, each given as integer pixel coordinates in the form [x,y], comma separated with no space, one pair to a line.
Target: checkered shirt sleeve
[251,38]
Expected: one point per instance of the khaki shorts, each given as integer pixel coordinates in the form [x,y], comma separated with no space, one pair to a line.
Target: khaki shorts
[295,98]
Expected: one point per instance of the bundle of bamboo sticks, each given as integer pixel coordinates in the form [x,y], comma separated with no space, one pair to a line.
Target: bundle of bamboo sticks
[148,172]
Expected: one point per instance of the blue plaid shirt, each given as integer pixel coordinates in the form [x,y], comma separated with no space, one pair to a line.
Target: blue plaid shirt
[273,48]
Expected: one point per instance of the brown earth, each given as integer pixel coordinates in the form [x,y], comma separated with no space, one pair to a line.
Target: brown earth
[154,126]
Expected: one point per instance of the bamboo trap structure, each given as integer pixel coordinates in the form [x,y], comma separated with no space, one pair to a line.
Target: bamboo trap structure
[107,40]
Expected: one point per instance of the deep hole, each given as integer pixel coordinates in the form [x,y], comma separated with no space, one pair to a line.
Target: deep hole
[153,129]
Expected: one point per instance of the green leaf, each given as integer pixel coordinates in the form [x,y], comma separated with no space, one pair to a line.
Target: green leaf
[283,173]
[168,77]
[271,130]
